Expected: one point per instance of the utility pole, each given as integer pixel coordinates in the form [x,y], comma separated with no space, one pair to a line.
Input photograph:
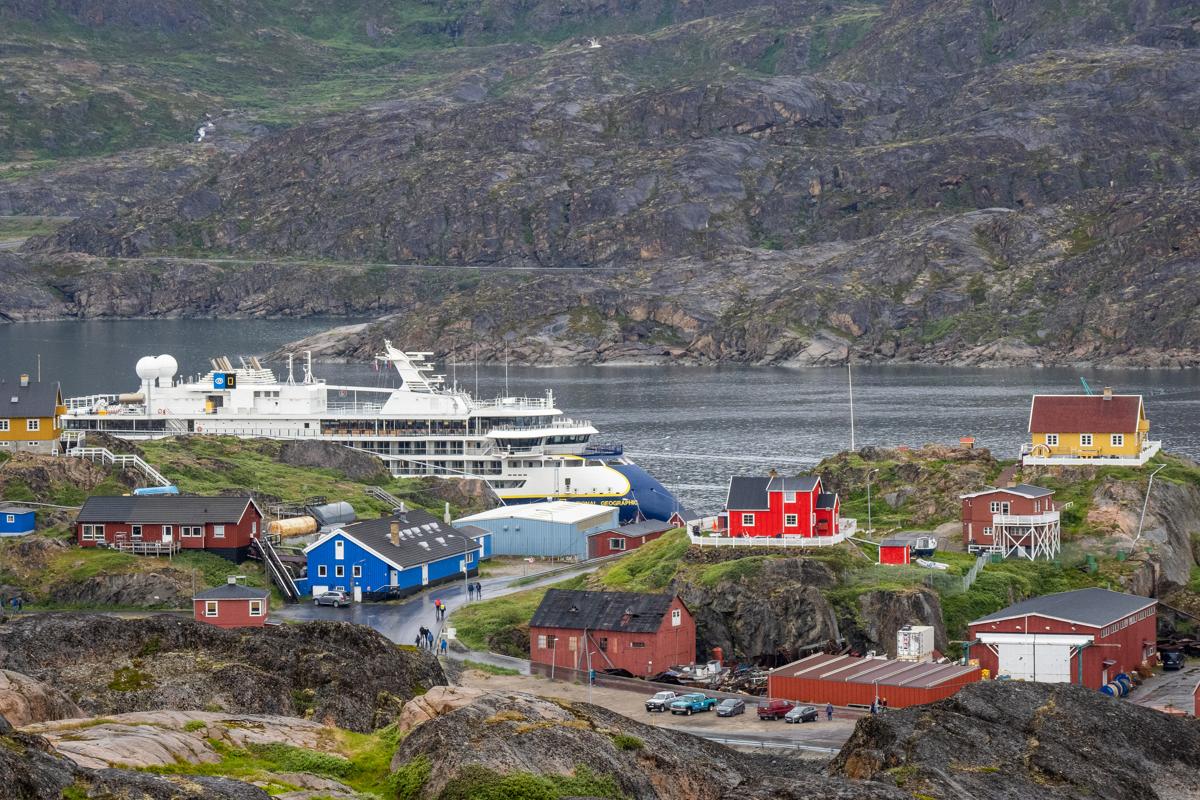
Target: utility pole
[870,527]
[1146,502]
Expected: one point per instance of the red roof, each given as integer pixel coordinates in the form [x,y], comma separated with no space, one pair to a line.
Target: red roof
[1077,413]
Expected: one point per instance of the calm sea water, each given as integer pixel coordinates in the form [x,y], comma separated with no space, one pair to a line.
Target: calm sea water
[692,427]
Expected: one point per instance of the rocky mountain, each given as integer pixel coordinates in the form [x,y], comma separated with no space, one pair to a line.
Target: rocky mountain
[767,182]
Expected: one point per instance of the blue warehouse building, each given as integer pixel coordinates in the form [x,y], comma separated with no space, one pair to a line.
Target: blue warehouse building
[555,529]
[16,520]
[393,556]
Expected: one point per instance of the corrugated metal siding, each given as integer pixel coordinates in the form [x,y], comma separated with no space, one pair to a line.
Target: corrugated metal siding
[845,680]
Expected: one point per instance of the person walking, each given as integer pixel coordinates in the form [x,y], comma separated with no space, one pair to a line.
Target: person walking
[478,591]
[829,712]
[444,645]
[874,707]
[883,705]
[429,638]
[420,641]
[470,591]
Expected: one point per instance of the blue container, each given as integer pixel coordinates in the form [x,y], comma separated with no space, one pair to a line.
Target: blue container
[155,490]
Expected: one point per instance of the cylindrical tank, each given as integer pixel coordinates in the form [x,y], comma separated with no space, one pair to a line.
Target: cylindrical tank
[1108,690]
[131,397]
[292,526]
[718,655]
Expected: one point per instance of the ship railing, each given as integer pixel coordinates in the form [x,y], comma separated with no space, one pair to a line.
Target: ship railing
[89,401]
[721,540]
[555,424]
[363,408]
[515,403]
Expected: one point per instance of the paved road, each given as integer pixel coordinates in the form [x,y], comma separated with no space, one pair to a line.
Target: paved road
[399,621]
[1170,688]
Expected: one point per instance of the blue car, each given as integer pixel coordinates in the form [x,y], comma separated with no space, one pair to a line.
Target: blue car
[691,703]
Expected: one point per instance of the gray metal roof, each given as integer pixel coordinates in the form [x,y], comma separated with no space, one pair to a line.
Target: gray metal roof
[1093,607]
[471,531]
[163,508]
[5,509]
[34,400]
[422,538]
[639,528]
[1021,489]
[232,591]
[602,611]
[752,492]
[894,542]
[826,500]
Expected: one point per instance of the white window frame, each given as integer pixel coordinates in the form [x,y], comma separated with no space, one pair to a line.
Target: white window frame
[339,549]
[168,530]
[638,645]
[356,571]
[212,608]
[1086,440]
[191,531]
[339,571]
[987,531]
[616,543]
[10,518]
[676,617]
[322,571]
[789,497]
[33,425]
[747,520]
[994,508]
[541,642]
[256,608]
[218,531]
[135,532]
[1117,440]
[4,426]
[1052,440]
[791,520]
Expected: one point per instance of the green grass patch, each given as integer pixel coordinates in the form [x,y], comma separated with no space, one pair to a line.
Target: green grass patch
[130,679]
[475,622]
[475,782]
[195,725]
[491,669]
[650,568]
[625,741]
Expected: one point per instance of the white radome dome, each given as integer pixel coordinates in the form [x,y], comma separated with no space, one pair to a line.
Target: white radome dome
[147,368]
[167,366]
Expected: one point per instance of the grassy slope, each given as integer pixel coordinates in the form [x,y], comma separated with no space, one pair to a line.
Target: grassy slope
[475,621]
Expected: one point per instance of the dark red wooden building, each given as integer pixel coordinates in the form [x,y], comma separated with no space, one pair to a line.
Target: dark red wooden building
[1087,636]
[626,537]
[775,506]
[847,680]
[978,509]
[232,606]
[642,634]
[222,525]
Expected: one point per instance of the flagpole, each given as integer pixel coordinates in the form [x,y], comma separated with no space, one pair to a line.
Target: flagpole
[850,379]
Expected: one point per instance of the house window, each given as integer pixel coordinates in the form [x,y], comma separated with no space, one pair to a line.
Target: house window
[10,518]
[637,644]
[571,643]
[322,571]
[791,520]
[987,531]
[357,571]
[748,520]
[1118,440]
[136,531]
[218,531]
[191,531]
[604,644]
[1052,440]
[33,425]
[1085,440]
[253,528]
[789,497]
[616,543]
[256,609]
[3,426]
[676,617]
[339,571]
[1000,508]
[551,640]
[541,642]
[339,549]
[210,608]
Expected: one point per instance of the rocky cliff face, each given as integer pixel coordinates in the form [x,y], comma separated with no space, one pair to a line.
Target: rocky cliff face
[799,183]
[1027,741]
[339,674]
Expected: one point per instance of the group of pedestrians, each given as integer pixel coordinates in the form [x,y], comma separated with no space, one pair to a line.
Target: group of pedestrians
[425,638]
[879,705]
[474,591]
[439,611]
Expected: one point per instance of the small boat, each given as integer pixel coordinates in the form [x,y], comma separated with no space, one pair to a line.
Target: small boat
[924,546]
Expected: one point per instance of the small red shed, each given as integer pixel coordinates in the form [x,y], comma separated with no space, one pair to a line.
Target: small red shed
[626,537]
[895,551]
[642,634]
[232,606]
[1088,636]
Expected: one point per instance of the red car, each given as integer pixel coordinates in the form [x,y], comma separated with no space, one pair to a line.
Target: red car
[774,709]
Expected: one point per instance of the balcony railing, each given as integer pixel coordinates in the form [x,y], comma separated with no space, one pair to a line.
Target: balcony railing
[1025,520]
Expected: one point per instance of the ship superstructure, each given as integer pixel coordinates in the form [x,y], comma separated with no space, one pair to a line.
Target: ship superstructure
[524,447]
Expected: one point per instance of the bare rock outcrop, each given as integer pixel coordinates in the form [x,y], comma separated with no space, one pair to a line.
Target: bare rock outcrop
[437,701]
[355,465]
[24,700]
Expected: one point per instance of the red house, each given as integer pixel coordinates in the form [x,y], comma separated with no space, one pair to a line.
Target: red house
[979,510]
[626,537]
[1088,636]
[774,506]
[232,606]
[642,634]
[895,551]
[166,523]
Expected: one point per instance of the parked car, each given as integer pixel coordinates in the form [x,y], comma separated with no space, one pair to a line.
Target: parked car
[730,707]
[691,703]
[774,709]
[1173,659]
[660,701]
[336,598]
[801,714]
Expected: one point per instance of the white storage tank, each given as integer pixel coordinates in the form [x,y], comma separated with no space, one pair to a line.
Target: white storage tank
[914,643]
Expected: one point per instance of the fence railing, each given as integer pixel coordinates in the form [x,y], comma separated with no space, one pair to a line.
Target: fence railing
[106,456]
[767,541]
[146,548]
[973,572]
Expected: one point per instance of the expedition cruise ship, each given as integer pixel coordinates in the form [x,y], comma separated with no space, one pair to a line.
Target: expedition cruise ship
[522,446]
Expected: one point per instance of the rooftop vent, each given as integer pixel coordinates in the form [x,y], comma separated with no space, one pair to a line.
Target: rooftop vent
[1107,392]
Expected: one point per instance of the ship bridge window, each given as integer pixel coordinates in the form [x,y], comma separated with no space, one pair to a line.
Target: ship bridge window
[572,463]
[513,444]
[578,439]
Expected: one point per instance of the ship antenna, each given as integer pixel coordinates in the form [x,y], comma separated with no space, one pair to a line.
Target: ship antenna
[291,380]
[476,369]
[506,394]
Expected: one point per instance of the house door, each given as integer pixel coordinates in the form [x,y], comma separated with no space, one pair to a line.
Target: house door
[357,593]
[424,574]
[393,578]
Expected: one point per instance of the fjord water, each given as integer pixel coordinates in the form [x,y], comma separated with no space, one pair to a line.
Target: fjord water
[692,427]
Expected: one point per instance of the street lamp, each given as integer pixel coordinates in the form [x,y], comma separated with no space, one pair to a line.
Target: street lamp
[1146,502]
[870,527]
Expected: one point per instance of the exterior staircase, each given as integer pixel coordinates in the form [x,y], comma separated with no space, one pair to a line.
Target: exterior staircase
[276,568]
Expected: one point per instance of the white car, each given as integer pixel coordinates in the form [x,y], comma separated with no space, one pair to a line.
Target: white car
[660,701]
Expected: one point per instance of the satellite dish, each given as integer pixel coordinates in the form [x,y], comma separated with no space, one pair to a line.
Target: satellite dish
[147,368]
[167,367]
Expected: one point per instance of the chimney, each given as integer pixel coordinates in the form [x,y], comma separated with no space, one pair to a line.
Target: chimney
[1108,393]
[232,579]
[772,474]
[446,514]
[395,532]
[24,380]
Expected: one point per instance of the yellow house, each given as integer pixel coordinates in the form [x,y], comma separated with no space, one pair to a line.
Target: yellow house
[30,415]
[1081,428]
